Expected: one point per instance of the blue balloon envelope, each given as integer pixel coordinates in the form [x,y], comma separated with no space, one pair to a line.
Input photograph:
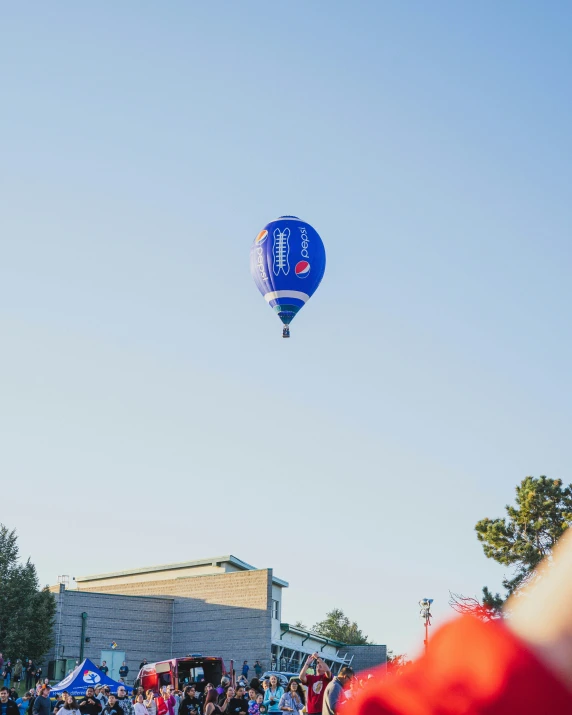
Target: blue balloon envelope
[287,262]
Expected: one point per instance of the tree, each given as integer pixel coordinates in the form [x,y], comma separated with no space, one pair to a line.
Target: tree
[338,627]
[542,514]
[26,611]
[528,533]
[489,610]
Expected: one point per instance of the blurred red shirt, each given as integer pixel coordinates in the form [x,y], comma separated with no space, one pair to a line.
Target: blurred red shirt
[472,668]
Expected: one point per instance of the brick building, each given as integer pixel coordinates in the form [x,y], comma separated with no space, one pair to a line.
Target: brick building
[218,606]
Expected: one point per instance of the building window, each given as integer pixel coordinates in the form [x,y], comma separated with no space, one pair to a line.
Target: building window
[276,609]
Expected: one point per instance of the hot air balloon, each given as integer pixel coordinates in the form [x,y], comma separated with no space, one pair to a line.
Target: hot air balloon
[287,262]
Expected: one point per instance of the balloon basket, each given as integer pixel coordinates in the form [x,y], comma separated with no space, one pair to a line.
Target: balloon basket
[286,331]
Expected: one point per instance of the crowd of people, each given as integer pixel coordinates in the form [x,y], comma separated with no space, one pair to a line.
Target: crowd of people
[315,692]
[20,670]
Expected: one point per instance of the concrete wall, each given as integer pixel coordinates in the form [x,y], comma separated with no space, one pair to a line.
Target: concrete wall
[227,615]
[366,657]
[140,626]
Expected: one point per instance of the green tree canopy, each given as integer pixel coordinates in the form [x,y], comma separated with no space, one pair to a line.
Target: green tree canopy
[26,611]
[528,533]
[530,530]
[337,626]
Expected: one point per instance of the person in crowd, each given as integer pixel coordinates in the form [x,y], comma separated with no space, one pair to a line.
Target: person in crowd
[139,706]
[23,704]
[256,685]
[30,671]
[7,673]
[89,705]
[273,694]
[7,706]
[257,669]
[293,700]
[103,667]
[211,706]
[203,695]
[316,683]
[166,701]
[42,703]
[150,702]
[112,707]
[32,694]
[245,669]
[13,694]
[17,672]
[60,701]
[221,689]
[226,698]
[38,674]
[124,701]
[1,661]
[162,707]
[334,690]
[221,699]
[124,671]
[100,695]
[142,663]
[237,703]
[70,706]
[261,706]
[190,704]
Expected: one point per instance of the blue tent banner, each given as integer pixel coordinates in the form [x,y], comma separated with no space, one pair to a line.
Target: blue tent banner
[86,675]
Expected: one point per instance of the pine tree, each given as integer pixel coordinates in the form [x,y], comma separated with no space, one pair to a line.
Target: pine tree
[542,514]
[528,533]
[26,612]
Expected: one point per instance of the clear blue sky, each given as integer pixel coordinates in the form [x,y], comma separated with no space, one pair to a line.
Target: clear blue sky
[150,410]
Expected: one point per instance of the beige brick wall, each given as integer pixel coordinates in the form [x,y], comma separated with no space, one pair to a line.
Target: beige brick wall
[227,615]
[246,589]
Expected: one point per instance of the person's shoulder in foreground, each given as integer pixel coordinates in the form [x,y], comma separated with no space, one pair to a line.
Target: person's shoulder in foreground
[472,667]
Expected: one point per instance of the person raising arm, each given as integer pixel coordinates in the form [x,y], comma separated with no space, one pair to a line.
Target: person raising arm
[316,683]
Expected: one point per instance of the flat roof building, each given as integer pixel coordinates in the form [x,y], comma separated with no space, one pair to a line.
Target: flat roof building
[218,606]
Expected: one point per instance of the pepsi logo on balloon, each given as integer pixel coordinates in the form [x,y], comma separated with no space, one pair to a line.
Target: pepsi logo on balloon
[302,269]
[262,236]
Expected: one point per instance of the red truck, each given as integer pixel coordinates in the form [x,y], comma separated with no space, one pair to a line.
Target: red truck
[179,672]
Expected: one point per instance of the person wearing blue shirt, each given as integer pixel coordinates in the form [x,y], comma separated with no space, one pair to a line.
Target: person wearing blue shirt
[23,703]
[272,695]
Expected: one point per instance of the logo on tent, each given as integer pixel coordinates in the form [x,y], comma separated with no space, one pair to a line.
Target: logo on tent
[90,677]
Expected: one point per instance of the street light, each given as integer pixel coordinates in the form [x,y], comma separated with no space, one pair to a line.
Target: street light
[426,615]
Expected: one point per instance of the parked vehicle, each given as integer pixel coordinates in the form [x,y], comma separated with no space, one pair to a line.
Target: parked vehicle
[179,672]
[283,677]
